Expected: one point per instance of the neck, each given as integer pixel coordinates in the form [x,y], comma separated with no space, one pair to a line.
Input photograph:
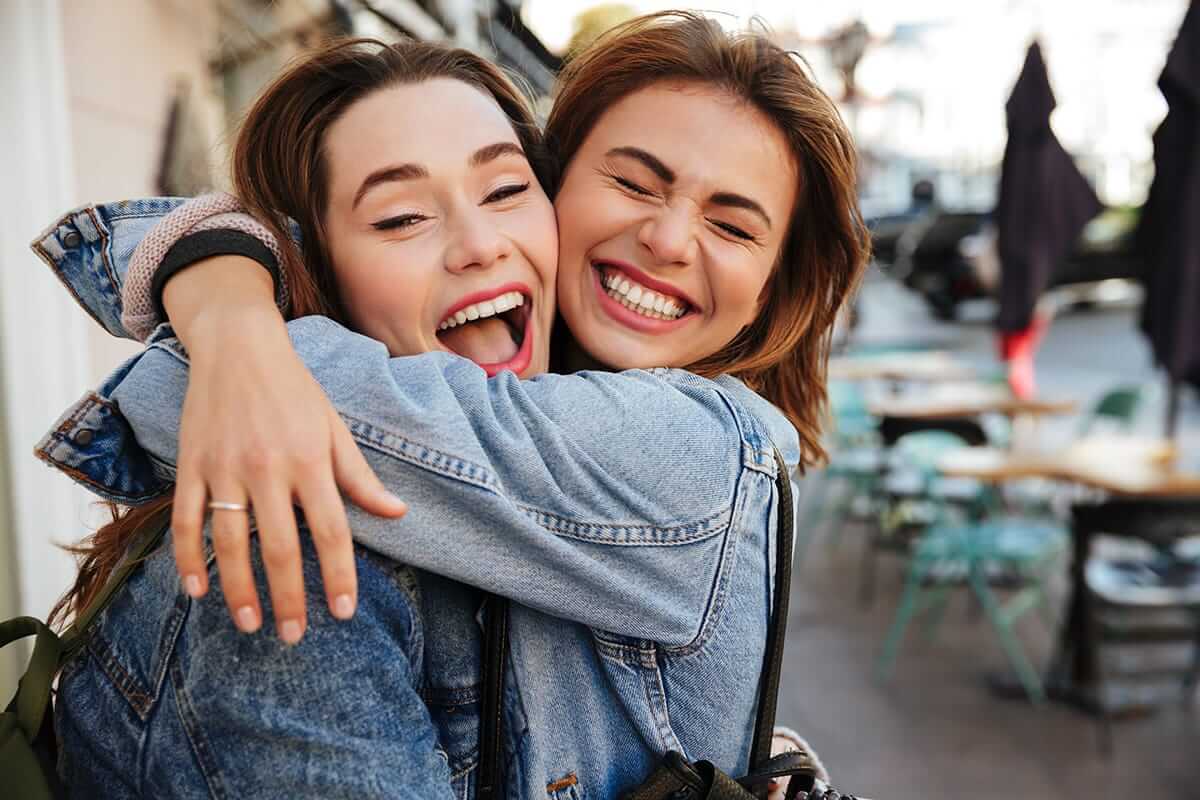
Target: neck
[576,359]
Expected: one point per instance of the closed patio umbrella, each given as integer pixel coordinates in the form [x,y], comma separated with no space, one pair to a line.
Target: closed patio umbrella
[1169,232]
[1044,200]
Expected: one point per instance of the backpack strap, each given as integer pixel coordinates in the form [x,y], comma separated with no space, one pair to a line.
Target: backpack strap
[495,646]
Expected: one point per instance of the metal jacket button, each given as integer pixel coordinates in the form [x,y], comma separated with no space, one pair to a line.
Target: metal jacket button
[84,436]
[72,239]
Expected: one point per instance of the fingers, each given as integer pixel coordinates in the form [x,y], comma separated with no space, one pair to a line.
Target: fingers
[231,545]
[187,532]
[279,541]
[326,518]
[356,478]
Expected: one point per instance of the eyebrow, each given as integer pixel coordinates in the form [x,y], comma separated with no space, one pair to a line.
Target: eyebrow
[732,200]
[410,172]
[667,175]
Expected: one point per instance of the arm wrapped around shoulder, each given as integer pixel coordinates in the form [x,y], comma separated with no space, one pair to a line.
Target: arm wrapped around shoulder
[209,225]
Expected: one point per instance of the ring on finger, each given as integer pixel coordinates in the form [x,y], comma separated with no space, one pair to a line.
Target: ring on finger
[221,505]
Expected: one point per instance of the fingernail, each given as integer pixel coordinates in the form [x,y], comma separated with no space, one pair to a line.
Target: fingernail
[191,585]
[289,631]
[343,606]
[247,619]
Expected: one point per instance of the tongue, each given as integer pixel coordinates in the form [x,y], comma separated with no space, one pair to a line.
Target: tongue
[485,341]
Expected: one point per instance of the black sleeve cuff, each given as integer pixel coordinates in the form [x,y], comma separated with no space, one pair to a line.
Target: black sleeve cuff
[205,244]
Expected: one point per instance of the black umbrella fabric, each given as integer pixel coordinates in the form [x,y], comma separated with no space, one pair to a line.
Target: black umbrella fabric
[1169,232]
[1044,200]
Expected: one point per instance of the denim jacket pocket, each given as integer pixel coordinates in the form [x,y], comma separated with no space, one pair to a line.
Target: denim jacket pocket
[135,663]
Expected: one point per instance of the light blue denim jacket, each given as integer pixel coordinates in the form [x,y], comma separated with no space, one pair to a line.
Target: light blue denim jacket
[630,516]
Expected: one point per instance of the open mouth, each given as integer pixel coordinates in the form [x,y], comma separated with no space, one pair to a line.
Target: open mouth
[639,301]
[493,329]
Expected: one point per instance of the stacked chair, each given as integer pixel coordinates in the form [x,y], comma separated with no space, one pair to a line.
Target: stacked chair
[1143,605]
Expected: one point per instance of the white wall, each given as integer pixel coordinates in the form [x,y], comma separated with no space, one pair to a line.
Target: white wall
[43,337]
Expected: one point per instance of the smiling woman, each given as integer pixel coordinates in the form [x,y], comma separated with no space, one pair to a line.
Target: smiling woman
[697,219]
[452,212]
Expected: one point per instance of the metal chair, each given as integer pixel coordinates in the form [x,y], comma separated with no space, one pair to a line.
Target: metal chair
[1013,552]
[1144,622]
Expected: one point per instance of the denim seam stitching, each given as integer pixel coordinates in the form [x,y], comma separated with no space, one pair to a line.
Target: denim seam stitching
[42,254]
[726,566]
[125,683]
[191,727]
[632,535]
[656,699]
[59,436]
[422,455]
[105,248]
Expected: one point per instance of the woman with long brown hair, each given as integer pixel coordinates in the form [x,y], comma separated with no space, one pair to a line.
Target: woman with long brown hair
[707,220]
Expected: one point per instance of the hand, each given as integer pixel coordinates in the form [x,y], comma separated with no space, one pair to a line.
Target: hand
[780,744]
[786,740]
[257,429]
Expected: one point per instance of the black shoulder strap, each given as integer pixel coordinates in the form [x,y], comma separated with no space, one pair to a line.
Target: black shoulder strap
[491,723]
[768,682]
[495,647]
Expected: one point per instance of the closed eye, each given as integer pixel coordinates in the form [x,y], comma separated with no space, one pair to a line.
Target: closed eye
[629,185]
[733,230]
[505,192]
[398,223]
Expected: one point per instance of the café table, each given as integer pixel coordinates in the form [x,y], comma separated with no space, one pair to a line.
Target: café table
[958,400]
[1145,484]
[926,367]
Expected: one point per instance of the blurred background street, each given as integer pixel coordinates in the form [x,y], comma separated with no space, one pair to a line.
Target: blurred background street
[1004,550]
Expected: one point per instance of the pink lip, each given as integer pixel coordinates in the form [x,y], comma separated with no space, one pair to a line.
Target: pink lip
[647,281]
[487,294]
[632,319]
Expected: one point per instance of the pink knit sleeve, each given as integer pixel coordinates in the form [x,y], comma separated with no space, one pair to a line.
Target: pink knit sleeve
[205,213]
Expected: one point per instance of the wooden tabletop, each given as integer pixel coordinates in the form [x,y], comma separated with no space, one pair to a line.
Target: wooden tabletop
[925,366]
[1132,466]
[954,400]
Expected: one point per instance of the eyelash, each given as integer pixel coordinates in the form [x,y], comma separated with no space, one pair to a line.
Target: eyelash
[733,230]
[407,220]
[397,223]
[505,192]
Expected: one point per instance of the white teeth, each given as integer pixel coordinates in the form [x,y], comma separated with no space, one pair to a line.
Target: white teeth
[636,297]
[487,308]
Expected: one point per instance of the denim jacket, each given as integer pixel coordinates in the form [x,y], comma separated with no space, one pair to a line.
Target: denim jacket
[630,517]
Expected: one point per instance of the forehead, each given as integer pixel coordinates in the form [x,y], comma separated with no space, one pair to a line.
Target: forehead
[703,133]
[436,123]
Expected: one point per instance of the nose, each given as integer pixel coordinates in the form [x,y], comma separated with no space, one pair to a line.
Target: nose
[474,242]
[670,234]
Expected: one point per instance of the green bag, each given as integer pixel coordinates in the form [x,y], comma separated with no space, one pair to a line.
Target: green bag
[28,745]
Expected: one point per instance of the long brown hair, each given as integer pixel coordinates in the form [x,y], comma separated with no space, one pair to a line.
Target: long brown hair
[784,353]
[281,175]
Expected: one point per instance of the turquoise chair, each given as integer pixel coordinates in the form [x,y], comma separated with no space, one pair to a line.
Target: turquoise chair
[855,461]
[1013,552]
[915,496]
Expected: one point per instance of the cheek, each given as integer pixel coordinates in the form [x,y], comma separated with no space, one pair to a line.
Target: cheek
[383,295]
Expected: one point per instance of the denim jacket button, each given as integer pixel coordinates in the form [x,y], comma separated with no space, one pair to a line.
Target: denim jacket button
[72,239]
[84,436]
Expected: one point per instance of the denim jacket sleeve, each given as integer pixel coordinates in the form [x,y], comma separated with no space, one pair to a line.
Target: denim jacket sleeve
[607,499]
[89,250]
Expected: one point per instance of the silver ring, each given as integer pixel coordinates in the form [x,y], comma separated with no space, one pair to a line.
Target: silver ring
[217,505]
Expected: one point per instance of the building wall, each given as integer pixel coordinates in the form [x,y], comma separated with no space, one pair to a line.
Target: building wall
[124,61]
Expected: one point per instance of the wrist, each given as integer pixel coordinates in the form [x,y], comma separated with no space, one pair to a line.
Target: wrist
[219,333]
